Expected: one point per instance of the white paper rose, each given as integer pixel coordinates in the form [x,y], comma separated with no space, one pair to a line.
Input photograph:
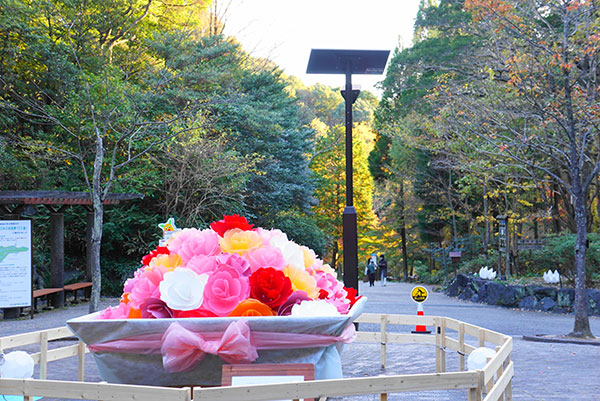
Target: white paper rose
[182,289]
[292,253]
[314,308]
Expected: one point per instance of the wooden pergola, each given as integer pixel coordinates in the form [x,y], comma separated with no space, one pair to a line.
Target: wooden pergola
[13,204]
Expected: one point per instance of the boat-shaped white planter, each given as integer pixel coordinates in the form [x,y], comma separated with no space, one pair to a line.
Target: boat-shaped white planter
[128,351]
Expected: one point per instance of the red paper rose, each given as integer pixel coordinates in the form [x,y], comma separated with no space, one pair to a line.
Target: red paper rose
[270,286]
[193,313]
[351,296]
[160,250]
[230,222]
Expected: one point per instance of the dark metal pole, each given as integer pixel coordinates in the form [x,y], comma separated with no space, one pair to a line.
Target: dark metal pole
[350,237]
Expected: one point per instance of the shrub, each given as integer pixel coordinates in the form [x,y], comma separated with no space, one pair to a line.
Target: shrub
[426,276]
[558,253]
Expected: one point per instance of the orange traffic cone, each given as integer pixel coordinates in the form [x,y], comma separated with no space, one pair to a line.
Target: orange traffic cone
[419,329]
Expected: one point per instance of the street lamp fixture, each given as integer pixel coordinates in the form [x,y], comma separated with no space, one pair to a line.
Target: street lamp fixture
[348,62]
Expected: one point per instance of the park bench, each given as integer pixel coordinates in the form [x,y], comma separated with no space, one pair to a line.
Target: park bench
[78,286]
[43,293]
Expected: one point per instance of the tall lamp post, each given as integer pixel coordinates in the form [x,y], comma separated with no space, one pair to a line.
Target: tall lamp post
[348,62]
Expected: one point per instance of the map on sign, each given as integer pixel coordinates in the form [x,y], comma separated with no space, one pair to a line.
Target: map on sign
[5,251]
[15,263]
[419,294]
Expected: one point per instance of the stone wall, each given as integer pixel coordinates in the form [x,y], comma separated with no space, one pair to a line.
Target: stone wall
[548,299]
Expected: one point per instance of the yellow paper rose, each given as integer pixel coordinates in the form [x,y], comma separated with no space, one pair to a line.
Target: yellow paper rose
[327,269]
[240,241]
[169,261]
[302,281]
[309,256]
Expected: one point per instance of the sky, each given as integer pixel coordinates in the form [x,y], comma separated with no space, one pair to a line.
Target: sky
[284,31]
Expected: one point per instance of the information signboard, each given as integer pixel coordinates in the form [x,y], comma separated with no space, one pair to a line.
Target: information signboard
[15,263]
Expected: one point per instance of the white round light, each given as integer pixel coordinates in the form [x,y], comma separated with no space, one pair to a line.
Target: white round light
[16,365]
[478,358]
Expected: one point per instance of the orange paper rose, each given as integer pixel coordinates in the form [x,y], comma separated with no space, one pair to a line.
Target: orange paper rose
[252,307]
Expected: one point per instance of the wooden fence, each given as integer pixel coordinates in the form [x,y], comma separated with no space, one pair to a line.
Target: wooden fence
[458,339]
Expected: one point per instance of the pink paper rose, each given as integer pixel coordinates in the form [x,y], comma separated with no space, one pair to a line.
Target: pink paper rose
[154,308]
[265,257]
[268,235]
[225,289]
[120,312]
[333,291]
[202,264]
[132,282]
[192,242]
[146,285]
[296,298]
[234,260]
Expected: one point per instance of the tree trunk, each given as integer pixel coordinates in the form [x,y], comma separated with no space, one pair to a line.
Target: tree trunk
[97,198]
[403,230]
[578,193]
[452,208]
[555,209]
[582,323]
[334,252]
[486,235]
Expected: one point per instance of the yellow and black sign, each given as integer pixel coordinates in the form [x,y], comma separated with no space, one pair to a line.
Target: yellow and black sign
[419,294]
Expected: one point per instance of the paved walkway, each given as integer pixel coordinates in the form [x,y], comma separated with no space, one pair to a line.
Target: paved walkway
[543,371]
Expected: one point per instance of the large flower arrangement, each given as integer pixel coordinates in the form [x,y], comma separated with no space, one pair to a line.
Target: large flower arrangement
[231,269]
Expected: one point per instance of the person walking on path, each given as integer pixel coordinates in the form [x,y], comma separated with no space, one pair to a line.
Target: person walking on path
[383,265]
[370,270]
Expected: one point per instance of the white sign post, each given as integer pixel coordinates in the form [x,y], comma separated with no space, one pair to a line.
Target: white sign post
[15,263]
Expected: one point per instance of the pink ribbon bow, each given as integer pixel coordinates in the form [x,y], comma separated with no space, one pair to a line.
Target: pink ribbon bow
[183,349]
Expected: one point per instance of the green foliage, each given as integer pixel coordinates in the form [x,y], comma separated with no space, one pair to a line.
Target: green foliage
[425,275]
[474,264]
[71,73]
[115,273]
[406,148]
[303,230]
[558,254]
[378,158]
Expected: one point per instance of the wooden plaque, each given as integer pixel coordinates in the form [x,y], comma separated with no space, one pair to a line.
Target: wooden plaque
[307,370]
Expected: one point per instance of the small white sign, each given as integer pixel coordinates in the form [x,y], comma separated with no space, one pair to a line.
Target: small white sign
[246,380]
[15,263]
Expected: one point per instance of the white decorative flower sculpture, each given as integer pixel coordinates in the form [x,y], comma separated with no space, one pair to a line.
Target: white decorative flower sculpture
[487,274]
[551,277]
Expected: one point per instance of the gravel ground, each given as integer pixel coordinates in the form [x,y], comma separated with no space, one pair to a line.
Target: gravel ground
[543,371]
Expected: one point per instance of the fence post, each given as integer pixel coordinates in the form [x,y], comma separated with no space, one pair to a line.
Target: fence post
[80,361]
[475,393]
[43,354]
[499,372]
[508,390]
[443,346]
[383,339]
[461,347]
[438,345]
[490,383]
